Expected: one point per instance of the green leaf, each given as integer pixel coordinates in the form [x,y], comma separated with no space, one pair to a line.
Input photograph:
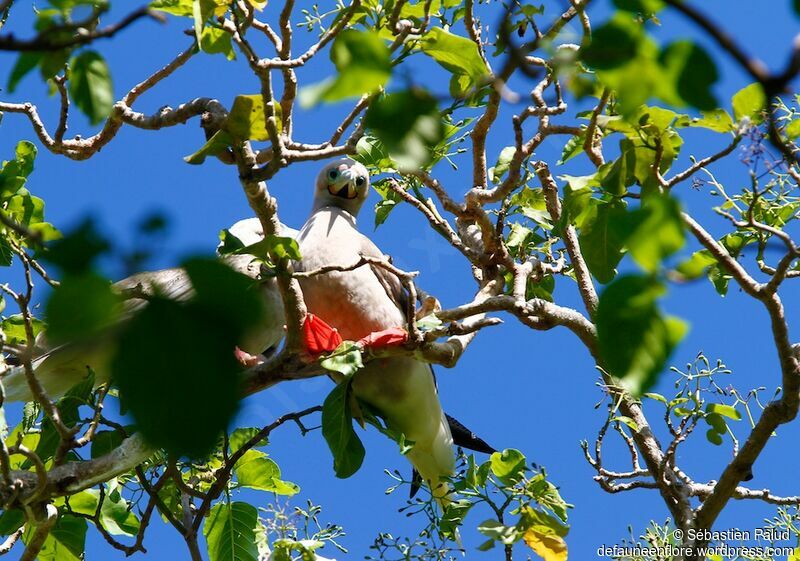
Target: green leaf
[204,333]
[105,442]
[616,176]
[280,246]
[78,249]
[14,329]
[497,531]
[241,436]
[81,307]
[363,66]
[614,44]
[247,120]
[6,253]
[408,124]
[716,421]
[11,521]
[90,85]
[693,73]
[453,517]
[627,421]
[459,56]
[601,240]
[115,513]
[217,41]
[572,148]
[793,129]
[508,466]
[256,471]
[659,232]
[547,495]
[497,172]
[25,209]
[215,145]
[371,152]
[389,199]
[345,359]
[697,265]
[230,532]
[720,278]
[749,102]
[25,154]
[645,7]
[717,120]
[66,541]
[25,63]
[724,410]
[714,437]
[337,428]
[635,340]
[174,7]
[230,299]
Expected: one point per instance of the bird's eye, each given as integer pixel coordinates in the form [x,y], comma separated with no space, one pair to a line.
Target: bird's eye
[333,174]
[360,181]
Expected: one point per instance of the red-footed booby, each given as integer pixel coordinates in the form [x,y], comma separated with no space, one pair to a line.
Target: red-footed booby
[366,300]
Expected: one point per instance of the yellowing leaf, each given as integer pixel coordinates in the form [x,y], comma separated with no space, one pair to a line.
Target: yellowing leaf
[548,546]
[749,102]
[793,129]
[544,534]
[247,120]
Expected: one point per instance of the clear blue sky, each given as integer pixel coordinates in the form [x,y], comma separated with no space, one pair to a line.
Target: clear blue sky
[516,388]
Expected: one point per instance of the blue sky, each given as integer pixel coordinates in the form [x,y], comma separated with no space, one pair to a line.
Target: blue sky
[516,388]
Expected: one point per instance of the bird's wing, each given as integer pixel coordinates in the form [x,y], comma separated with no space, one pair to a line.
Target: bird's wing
[391,284]
[61,367]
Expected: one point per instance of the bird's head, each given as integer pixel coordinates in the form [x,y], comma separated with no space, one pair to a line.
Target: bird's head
[344,184]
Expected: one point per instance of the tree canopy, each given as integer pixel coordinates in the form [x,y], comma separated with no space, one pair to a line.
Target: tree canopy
[590,243]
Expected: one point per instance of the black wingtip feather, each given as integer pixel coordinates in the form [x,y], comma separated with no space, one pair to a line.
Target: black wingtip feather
[416,482]
[465,438]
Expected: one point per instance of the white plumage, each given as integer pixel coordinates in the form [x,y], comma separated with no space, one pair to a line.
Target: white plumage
[365,300]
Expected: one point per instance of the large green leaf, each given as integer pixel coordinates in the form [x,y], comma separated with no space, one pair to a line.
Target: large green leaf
[635,340]
[230,532]
[66,541]
[194,363]
[749,102]
[658,232]
[90,85]
[116,515]
[458,55]
[409,125]
[337,428]
[76,252]
[25,63]
[614,44]
[257,471]
[81,307]
[602,240]
[692,72]
[644,7]
[509,466]
[363,66]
